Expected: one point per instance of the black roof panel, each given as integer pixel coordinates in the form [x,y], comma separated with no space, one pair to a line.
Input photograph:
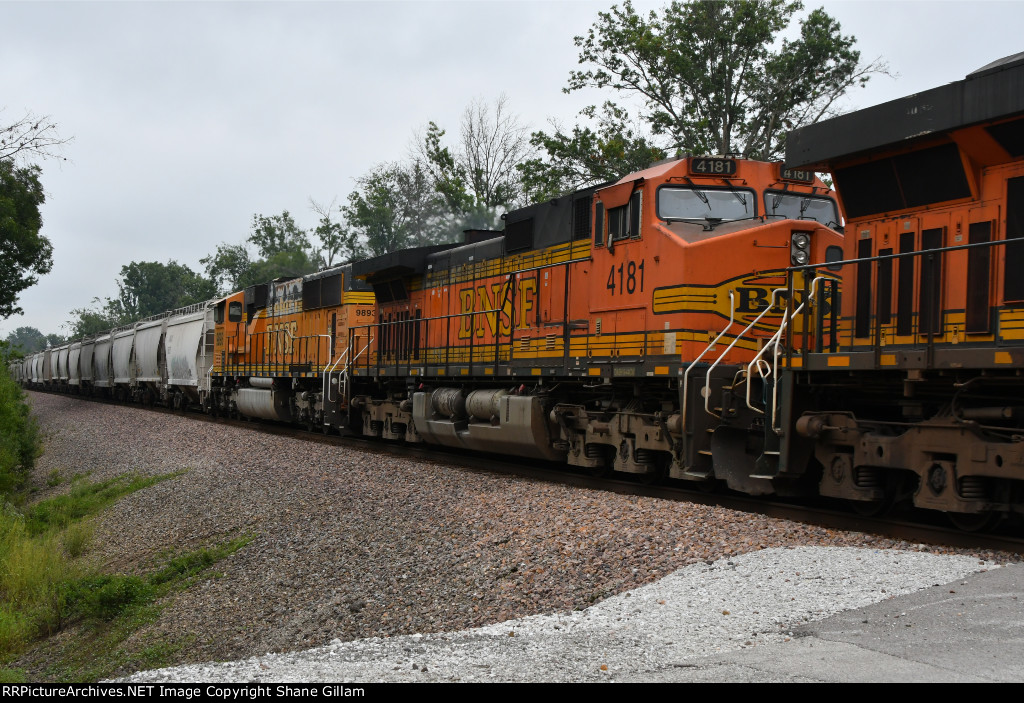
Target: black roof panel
[992,92]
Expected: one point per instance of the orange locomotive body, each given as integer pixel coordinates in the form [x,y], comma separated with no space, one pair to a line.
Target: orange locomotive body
[612,328]
[275,345]
[920,402]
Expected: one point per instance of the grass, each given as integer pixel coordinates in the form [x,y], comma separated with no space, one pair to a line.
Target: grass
[48,584]
[85,499]
[111,608]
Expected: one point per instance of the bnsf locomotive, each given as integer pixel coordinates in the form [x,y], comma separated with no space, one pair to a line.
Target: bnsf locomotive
[705,319]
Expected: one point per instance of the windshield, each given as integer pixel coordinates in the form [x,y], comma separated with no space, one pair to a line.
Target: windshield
[702,204]
[795,206]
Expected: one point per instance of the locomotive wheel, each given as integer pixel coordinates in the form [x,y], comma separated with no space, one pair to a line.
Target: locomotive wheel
[974,522]
[707,486]
[872,508]
[655,475]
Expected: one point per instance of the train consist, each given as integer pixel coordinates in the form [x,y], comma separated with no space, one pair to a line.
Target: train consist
[685,322]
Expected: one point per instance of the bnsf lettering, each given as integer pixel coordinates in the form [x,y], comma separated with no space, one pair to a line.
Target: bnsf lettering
[281,337]
[754,300]
[489,301]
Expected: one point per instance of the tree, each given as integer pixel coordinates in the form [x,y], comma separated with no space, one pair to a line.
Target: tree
[480,176]
[282,250]
[337,242]
[25,254]
[710,78]
[149,288]
[27,340]
[276,234]
[88,321]
[228,267]
[396,207]
[283,247]
[586,156]
[30,136]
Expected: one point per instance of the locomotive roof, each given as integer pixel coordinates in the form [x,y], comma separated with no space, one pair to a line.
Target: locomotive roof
[396,264]
[993,92]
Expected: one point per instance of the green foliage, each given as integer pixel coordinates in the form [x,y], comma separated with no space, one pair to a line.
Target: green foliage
[111,608]
[26,340]
[277,234]
[87,321]
[338,243]
[478,177]
[586,156]
[396,207]
[77,539]
[24,253]
[150,288]
[29,340]
[105,596]
[45,585]
[33,571]
[13,676]
[187,566]
[714,77]
[145,288]
[85,499]
[20,442]
[228,267]
[284,264]
[283,250]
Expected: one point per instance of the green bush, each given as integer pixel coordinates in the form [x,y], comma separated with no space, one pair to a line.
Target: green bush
[105,596]
[19,436]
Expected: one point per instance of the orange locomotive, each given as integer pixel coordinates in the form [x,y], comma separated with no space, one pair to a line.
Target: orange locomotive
[627,327]
[275,345]
[921,400]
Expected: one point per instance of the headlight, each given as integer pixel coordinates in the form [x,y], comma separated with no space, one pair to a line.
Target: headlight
[799,248]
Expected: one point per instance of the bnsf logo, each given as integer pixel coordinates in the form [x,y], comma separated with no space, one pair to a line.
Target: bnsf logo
[756,300]
[751,296]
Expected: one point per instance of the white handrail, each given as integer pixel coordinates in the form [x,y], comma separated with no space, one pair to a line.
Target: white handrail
[686,374]
[707,378]
[773,344]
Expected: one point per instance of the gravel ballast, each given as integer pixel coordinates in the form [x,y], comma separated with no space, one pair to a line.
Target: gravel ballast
[351,545]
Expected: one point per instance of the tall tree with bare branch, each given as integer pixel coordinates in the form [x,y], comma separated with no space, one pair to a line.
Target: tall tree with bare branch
[31,137]
[478,176]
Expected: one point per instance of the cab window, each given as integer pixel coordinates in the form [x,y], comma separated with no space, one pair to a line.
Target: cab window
[234,311]
[697,204]
[798,206]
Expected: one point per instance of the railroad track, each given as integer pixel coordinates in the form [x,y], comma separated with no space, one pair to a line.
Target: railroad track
[910,526]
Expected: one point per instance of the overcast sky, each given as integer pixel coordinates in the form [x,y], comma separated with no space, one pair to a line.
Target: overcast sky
[189,117]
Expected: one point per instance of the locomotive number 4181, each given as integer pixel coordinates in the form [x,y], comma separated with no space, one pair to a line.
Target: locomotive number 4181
[630,278]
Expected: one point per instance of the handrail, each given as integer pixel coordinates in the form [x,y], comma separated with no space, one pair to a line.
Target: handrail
[772,344]
[707,378]
[328,370]
[686,374]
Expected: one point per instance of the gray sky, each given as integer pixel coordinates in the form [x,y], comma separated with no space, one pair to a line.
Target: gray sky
[189,117]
